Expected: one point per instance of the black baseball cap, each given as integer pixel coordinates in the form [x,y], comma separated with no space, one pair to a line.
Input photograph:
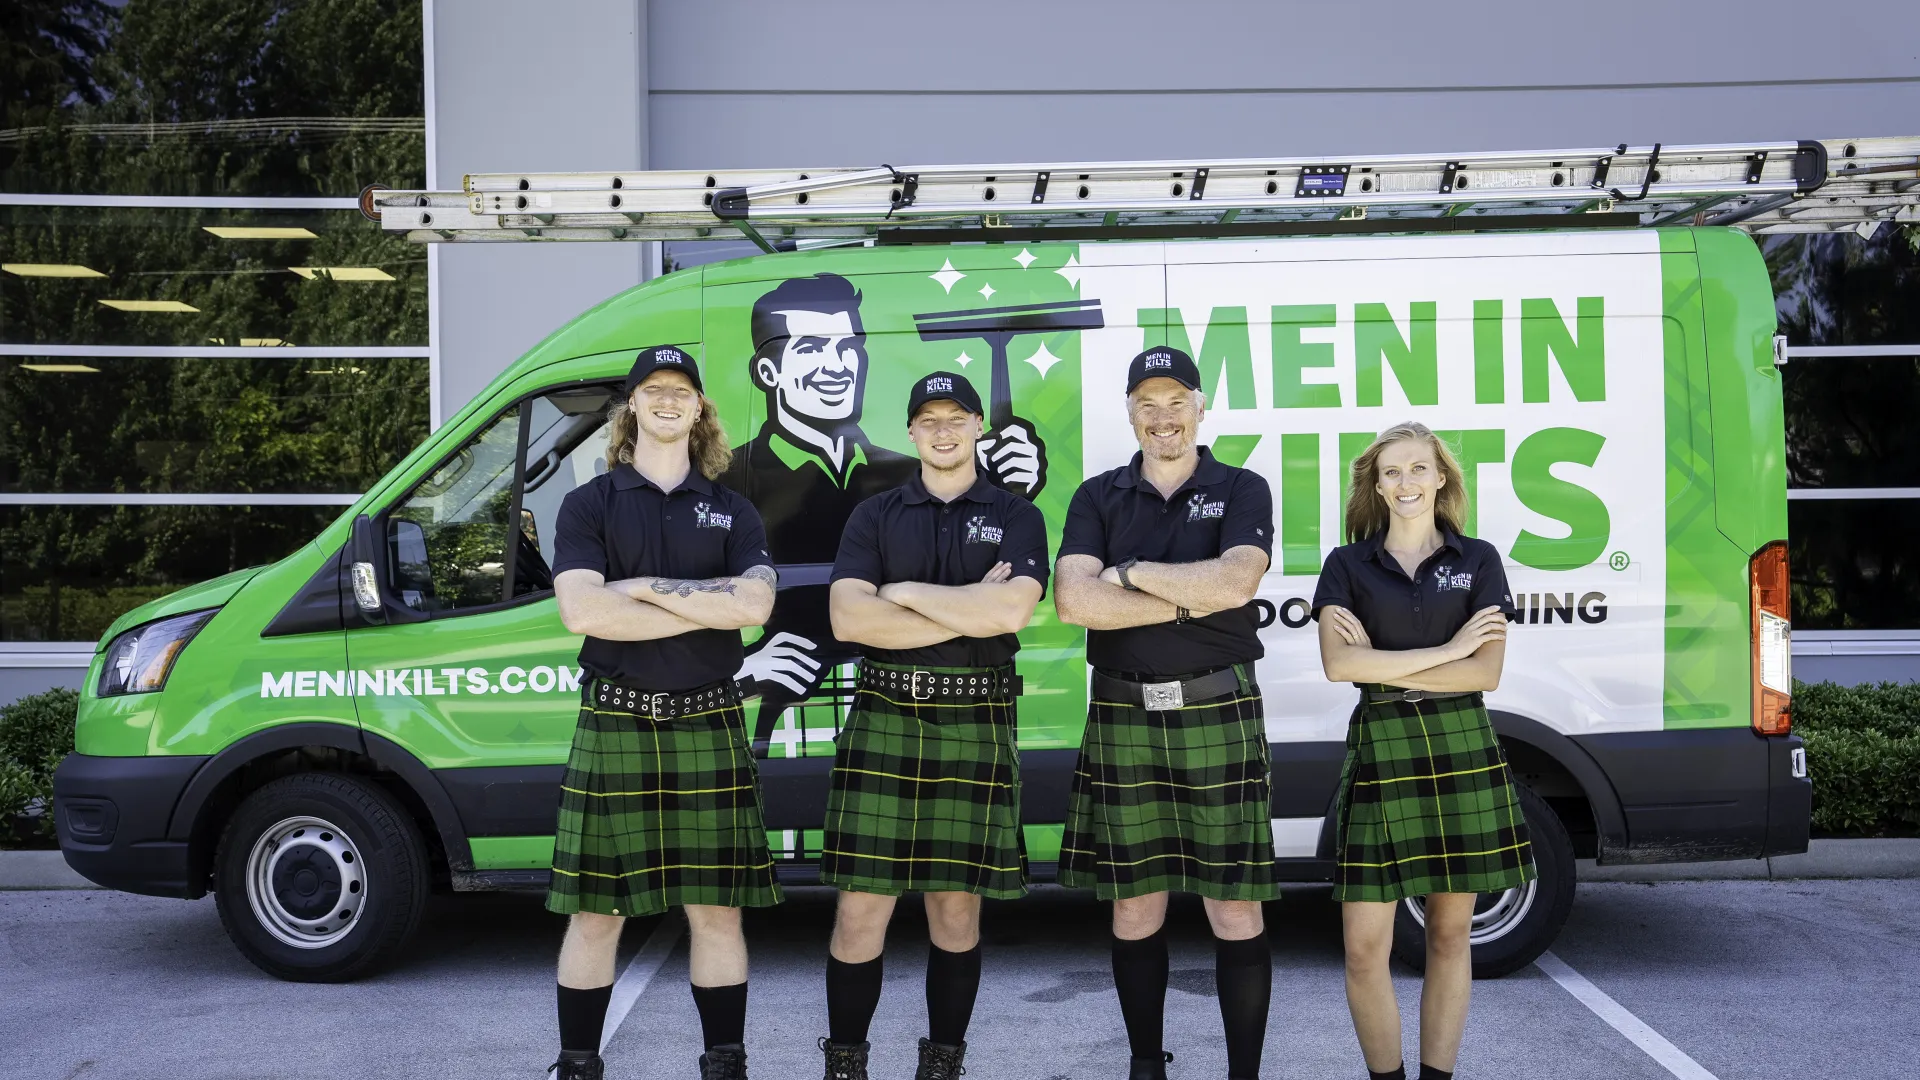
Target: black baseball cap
[1163,362]
[943,385]
[662,357]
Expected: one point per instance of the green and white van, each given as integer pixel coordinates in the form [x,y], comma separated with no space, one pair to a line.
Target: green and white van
[323,741]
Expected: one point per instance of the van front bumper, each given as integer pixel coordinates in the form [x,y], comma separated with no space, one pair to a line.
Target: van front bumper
[111,814]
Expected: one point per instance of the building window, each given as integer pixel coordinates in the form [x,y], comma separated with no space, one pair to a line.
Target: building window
[205,352]
[1853,449]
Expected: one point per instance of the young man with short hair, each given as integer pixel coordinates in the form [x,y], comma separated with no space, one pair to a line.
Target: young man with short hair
[933,580]
[660,568]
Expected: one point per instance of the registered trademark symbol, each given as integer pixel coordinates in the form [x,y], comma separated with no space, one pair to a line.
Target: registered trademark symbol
[1618,560]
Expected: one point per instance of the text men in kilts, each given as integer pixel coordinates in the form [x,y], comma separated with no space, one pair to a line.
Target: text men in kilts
[1416,614]
[660,567]
[933,579]
[1159,560]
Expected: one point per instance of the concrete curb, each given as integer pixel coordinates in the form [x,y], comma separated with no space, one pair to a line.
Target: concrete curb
[1880,858]
[39,870]
[1897,857]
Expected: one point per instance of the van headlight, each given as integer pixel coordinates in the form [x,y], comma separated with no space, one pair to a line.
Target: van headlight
[139,660]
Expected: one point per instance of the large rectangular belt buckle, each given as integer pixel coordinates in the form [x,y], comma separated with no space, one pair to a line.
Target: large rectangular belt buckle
[1162,695]
[656,704]
[913,685]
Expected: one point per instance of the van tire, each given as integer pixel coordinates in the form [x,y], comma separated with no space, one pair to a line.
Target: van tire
[303,840]
[1527,934]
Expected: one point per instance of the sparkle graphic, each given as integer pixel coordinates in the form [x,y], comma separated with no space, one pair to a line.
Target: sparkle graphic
[1025,258]
[987,291]
[948,277]
[963,360]
[1043,359]
[1071,271]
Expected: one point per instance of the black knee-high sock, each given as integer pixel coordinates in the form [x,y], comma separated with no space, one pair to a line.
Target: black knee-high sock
[582,1014]
[723,1013]
[953,981]
[853,992]
[1140,976]
[1399,1073]
[1428,1072]
[1243,975]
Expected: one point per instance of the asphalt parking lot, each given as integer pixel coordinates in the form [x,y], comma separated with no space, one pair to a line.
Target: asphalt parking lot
[1739,978]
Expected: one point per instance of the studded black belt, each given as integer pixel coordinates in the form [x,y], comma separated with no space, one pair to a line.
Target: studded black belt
[667,705]
[920,686]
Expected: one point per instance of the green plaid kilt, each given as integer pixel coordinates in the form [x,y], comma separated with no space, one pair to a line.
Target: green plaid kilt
[1426,804]
[1173,800]
[655,814]
[925,798]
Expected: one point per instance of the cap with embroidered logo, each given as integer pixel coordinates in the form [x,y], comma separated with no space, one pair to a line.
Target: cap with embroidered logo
[943,386]
[662,358]
[1163,362]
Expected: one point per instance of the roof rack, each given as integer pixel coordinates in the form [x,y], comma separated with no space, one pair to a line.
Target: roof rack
[1781,187]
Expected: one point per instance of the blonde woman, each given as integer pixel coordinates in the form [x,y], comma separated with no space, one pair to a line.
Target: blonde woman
[1415,614]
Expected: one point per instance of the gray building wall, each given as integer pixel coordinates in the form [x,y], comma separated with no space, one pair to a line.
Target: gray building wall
[623,84]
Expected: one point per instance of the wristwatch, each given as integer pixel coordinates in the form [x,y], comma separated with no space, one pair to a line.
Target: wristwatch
[1122,569]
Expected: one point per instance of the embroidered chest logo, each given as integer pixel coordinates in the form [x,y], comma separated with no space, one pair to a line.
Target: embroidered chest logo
[706,517]
[1444,578]
[1198,507]
[979,532]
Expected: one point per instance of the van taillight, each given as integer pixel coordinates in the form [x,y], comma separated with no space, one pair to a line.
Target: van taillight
[1772,633]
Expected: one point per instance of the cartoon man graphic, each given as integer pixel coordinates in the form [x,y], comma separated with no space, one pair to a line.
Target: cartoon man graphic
[809,465]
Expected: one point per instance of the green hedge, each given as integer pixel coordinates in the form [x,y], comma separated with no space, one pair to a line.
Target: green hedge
[1863,754]
[35,733]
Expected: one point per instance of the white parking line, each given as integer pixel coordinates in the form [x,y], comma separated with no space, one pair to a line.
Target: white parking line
[640,971]
[1670,1057]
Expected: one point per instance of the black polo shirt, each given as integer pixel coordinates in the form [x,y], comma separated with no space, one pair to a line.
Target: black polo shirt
[1120,515]
[621,525]
[908,535]
[1462,576]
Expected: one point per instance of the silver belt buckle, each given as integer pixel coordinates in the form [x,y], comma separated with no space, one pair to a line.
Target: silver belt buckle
[1413,695]
[1162,695]
[913,686]
[656,703]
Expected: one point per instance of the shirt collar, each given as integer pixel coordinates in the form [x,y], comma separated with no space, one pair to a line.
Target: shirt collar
[1376,545]
[1209,471]
[915,490]
[626,477]
[796,457]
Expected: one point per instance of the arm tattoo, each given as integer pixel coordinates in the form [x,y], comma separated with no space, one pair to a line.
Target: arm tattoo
[684,587]
[763,572]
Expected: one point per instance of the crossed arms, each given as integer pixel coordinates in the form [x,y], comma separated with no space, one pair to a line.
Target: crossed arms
[914,614]
[1470,661]
[1090,595]
[650,608]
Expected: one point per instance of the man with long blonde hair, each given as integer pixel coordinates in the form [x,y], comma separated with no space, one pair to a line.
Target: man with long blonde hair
[660,567]
[1414,613]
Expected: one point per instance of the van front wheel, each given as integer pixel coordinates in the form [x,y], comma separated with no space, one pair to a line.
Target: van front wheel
[1512,928]
[320,877]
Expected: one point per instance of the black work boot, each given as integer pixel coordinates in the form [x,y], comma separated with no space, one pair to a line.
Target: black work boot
[578,1065]
[1150,1068]
[938,1061]
[727,1061]
[845,1061]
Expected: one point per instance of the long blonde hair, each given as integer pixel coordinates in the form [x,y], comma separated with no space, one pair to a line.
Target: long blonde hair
[706,443]
[1367,515]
